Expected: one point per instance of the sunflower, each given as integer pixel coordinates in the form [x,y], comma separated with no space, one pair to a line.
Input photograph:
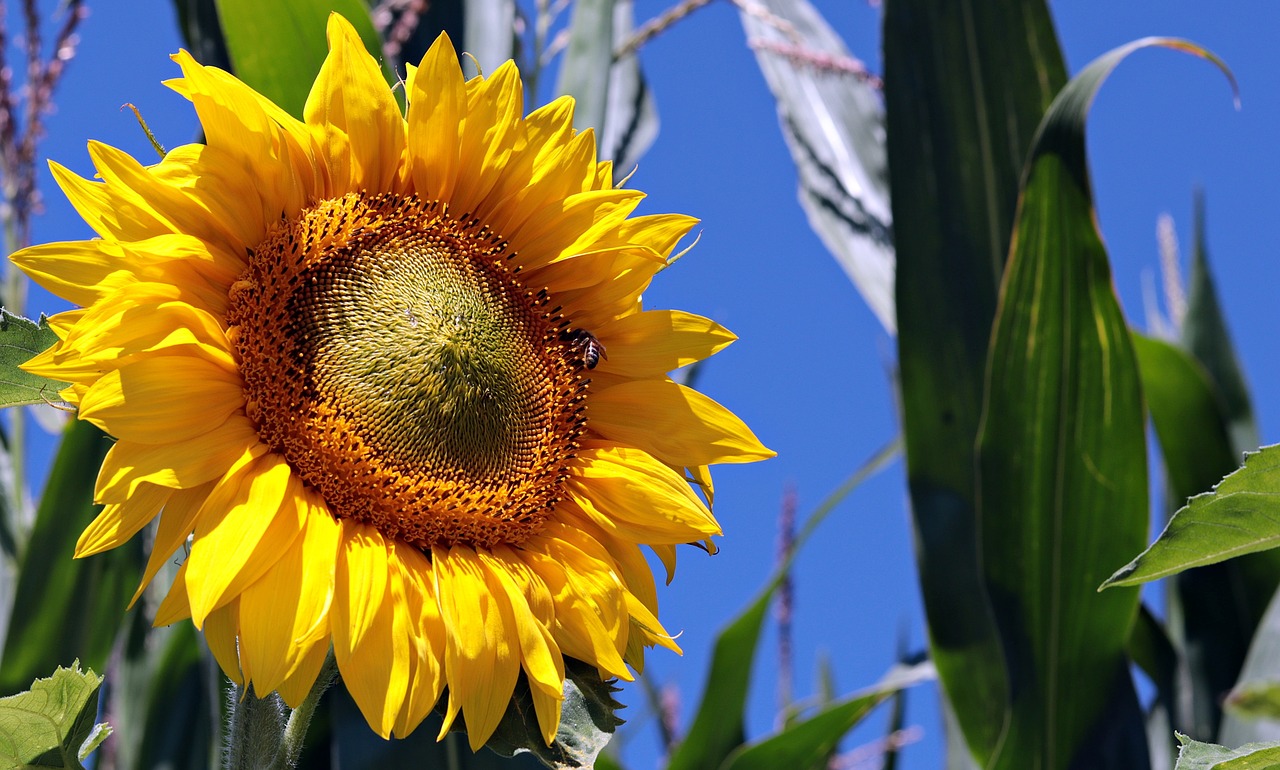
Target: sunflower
[391,373]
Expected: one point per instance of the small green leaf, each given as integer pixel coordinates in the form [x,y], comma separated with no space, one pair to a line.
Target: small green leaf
[20,339]
[1241,515]
[1194,755]
[277,48]
[808,744]
[1205,334]
[52,724]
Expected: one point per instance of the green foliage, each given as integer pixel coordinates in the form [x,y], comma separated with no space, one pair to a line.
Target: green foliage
[52,724]
[20,339]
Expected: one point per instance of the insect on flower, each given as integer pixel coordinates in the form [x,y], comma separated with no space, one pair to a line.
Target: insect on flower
[587,345]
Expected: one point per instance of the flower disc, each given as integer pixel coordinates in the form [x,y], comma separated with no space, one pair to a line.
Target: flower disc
[395,361]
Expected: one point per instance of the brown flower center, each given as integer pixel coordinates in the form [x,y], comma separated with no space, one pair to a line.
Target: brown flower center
[393,358]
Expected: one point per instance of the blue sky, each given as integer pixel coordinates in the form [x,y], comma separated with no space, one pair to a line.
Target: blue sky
[811,371]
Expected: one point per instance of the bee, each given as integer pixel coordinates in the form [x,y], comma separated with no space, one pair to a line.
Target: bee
[587,345]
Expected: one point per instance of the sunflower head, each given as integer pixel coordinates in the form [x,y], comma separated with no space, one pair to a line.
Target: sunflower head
[391,373]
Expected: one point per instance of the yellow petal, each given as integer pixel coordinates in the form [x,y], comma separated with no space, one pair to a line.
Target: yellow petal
[675,424]
[666,554]
[112,213]
[212,179]
[357,117]
[179,465]
[174,606]
[481,662]
[627,491]
[176,522]
[437,106]
[571,225]
[220,631]
[120,521]
[280,611]
[259,137]
[114,334]
[170,208]
[655,342]
[162,400]
[371,626]
[426,638]
[491,132]
[249,519]
[295,689]
[539,655]
[587,624]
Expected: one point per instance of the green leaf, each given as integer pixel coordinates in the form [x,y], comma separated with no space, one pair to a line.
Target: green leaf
[834,126]
[52,724]
[68,608]
[718,726]
[808,744]
[277,48]
[1253,704]
[965,87]
[585,68]
[20,339]
[1207,756]
[1241,515]
[1062,463]
[1184,407]
[1205,334]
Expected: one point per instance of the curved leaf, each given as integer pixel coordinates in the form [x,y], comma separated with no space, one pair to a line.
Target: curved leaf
[1206,756]
[1062,463]
[1184,407]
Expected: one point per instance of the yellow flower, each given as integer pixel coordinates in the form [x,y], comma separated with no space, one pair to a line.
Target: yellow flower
[393,373]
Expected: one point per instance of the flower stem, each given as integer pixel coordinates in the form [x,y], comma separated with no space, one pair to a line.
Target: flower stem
[295,731]
[263,733]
